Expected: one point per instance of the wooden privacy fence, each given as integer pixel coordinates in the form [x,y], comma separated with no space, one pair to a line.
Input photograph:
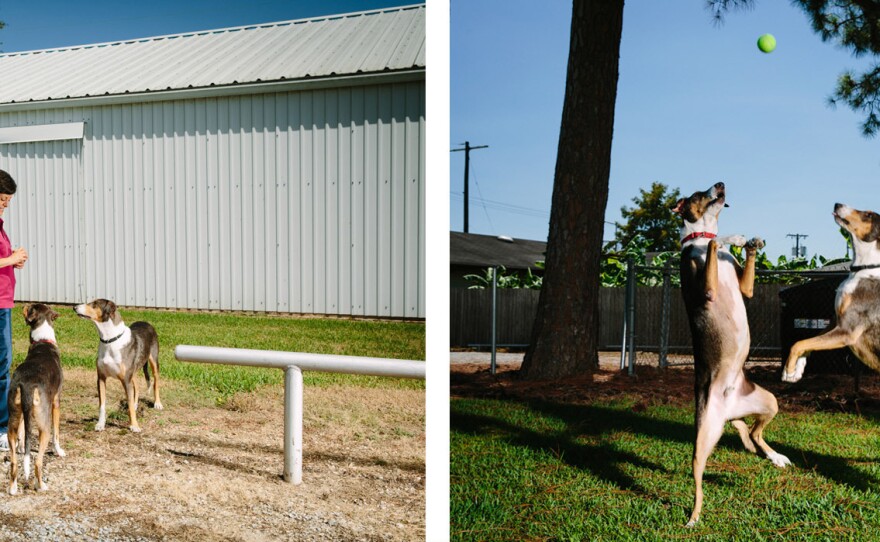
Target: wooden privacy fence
[470,314]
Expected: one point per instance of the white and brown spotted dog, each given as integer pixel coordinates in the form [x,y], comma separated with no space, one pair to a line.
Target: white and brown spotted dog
[35,396]
[713,285]
[123,351]
[857,304]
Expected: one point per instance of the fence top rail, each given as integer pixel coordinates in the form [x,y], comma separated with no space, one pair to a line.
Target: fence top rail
[327,363]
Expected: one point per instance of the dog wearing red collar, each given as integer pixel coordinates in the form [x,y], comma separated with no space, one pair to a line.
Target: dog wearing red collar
[713,285]
[122,351]
[35,396]
[858,320]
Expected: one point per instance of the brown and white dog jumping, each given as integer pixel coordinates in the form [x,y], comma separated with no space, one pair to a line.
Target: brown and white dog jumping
[35,396]
[123,351]
[713,285]
[856,303]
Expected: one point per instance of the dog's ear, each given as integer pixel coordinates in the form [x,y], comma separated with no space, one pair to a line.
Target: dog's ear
[874,232]
[53,315]
[679,206]
[107,308]
[26,312]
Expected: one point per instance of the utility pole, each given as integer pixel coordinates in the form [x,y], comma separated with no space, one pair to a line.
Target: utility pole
[467,166]
[797,244]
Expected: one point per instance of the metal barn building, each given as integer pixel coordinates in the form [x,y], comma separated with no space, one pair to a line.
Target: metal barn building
[276,167]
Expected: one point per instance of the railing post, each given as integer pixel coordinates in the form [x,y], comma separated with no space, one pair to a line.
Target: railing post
[293,419]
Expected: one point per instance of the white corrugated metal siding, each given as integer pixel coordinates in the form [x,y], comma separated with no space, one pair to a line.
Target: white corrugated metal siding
[304,202]
[298,187]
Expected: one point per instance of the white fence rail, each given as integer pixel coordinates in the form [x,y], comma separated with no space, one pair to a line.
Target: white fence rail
[293,363]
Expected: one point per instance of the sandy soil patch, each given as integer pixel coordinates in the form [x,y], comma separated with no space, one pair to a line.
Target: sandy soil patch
[203,472]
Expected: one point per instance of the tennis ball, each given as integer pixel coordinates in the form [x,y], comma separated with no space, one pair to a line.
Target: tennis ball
[767,43]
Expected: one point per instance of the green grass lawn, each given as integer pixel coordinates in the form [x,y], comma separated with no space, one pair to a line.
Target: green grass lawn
[621,470]
[78,342]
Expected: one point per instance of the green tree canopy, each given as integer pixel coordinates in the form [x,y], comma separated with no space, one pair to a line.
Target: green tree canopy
[651,218]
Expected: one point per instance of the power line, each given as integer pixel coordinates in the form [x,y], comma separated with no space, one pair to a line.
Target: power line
[506,207]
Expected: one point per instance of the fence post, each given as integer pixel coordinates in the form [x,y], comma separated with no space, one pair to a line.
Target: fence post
[293,416]
[626,303]
[664,317]
[494,316]
[631,312]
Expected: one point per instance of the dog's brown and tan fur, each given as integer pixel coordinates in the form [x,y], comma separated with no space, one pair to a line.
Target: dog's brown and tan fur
[122,351]
[857,304]
[35,396]
[713,285]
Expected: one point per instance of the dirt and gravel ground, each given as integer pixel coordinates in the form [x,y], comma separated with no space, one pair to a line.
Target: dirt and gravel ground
[201,472]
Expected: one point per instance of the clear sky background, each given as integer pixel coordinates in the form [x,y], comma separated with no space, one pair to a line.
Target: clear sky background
[697,103]
[46,24]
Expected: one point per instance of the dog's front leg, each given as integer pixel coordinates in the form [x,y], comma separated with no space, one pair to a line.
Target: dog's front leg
[747,278]
[710,285]
[797,356]
[102,403]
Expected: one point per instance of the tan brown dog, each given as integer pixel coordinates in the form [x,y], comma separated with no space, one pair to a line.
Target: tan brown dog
[713,285]
[856,303]
[123,351]
[35,396]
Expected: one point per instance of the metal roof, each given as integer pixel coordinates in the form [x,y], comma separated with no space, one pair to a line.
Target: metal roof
[368,42]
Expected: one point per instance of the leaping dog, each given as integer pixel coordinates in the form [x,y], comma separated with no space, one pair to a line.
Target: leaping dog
[858,316]
[713,285]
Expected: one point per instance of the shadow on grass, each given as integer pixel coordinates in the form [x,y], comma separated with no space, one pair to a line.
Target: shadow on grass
[585,443]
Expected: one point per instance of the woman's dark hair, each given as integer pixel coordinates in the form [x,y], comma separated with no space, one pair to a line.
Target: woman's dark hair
[7,185]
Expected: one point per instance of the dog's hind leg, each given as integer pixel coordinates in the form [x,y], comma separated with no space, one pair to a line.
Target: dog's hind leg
[745,435]
[154,365]
[44,428]
[56,425]
[709,430]
[760,403]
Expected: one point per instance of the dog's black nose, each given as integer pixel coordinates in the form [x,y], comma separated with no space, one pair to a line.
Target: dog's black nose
[838,206]
[719,186]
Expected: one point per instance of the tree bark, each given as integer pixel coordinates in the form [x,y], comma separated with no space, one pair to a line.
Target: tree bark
[565,333]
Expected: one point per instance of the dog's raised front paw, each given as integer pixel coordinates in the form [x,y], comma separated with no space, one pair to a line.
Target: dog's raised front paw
[755,243]
[798,372]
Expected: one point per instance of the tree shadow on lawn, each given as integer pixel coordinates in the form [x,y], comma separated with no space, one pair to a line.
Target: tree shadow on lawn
[587,443]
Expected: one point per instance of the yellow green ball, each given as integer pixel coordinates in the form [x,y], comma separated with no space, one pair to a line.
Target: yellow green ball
[767,43]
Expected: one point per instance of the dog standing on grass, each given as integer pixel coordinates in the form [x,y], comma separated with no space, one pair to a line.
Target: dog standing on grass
[35,396]
[713,285]
[123,351]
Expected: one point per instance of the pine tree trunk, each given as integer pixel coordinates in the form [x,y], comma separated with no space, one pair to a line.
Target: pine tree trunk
[565,333]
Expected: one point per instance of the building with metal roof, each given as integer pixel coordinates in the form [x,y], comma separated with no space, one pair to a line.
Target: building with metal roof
[270,168]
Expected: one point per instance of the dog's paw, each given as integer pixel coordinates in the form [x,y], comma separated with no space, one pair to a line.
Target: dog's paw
[158,405]
[733,240]
[59,452]
[778,459]
[755,243]
[692,523]
[99,426]
[134,428]
[798,372]
[13,488]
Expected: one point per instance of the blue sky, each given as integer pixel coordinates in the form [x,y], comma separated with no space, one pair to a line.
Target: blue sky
[58,23]
[697,103]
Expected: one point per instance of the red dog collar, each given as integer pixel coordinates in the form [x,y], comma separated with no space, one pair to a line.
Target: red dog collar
[697,235]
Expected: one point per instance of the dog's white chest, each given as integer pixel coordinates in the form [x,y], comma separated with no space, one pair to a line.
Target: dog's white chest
[110,361]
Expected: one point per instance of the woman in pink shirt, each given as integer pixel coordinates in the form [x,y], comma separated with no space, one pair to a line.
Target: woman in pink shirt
[9,261]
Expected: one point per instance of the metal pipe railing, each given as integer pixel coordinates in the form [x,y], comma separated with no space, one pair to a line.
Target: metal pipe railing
[293,363]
